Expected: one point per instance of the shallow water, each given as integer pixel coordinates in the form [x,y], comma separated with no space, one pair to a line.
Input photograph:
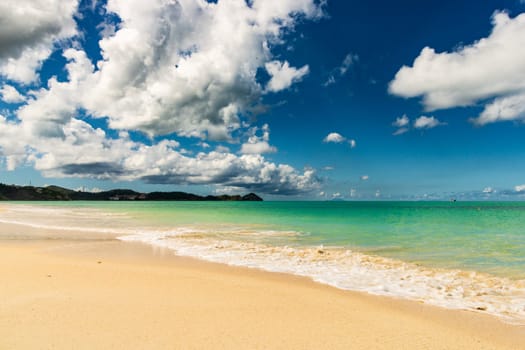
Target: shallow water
[456,255]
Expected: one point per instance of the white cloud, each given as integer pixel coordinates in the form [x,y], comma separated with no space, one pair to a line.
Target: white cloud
[334,137]
[28,31]
[283,76]
[195,70]
[341,71]
[347,62]
[488,190]
[49,109]
[13,143]
[258,144]
[492,67]
[400,131]
[401,121]
[257,148]
[402,124]
[83,151]
[193,74]
[519,188]
[503,109]
[331,80]
[92,190]
[364,177]
[11,95]
[222,149]
[425,122]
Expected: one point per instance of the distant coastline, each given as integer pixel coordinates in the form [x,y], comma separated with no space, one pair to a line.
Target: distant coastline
[56,193]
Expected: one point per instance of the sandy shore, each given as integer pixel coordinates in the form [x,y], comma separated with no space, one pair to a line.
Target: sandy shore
[105,294]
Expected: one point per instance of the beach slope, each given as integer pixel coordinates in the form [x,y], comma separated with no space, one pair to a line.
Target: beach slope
[82,294]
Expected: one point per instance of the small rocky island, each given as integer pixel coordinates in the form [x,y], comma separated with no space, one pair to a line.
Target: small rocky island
[56,193]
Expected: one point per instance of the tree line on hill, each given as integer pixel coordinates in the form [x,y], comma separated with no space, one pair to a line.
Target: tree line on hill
[56,193]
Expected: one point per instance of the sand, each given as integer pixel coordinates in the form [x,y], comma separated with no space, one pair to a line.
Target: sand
[107,294]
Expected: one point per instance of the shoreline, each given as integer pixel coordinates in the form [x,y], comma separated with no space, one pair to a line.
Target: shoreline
[80,292]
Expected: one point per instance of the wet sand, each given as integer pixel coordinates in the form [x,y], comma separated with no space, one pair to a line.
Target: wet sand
[105,294]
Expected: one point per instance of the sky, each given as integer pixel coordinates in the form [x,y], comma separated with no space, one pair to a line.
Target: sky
[291,99]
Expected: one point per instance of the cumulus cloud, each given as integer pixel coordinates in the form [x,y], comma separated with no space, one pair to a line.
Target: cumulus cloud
[48,110]
[334,137]
[490,68]
[488,190]
[28,31]
[251,172]
[425,122]
[11,95]
[503,109]
[283,76]
[193,74]
[401,121]
[364,177]
[341,71]
[163,162]
[258,144]
[92,190]
[402,124]
[13,143]
[519,188]
[222,149]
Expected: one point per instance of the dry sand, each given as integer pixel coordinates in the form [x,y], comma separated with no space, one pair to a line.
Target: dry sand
[85,294]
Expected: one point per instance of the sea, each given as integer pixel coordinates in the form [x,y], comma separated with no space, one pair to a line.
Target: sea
[458,255]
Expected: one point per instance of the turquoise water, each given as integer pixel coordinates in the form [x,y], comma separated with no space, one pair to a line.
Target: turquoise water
[481,236]
[460,255]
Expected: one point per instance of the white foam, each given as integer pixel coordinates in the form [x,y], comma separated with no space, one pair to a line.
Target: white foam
[100,230]
[64,219]
[355,271]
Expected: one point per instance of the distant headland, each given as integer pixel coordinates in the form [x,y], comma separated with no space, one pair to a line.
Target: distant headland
[56,193]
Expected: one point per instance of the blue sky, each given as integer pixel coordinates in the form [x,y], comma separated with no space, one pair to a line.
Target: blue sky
[294,99]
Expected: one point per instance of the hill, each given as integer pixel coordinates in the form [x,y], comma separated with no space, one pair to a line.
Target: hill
[56,193]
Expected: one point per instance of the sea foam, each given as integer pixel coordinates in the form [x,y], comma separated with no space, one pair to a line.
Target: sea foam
[352,270]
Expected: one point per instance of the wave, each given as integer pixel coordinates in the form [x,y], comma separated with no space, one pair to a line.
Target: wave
[350,270]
